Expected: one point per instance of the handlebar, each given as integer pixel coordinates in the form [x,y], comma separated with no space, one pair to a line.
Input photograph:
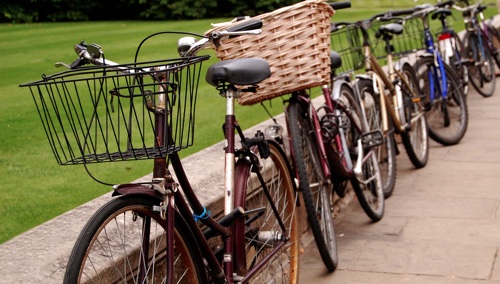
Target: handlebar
[340,5]
[468,7]
[186,46]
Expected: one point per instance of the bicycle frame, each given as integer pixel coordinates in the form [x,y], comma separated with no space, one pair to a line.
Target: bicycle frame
[381,79]
[485,33]
[333,102]
[331,106]
[434,79]
[478,27]
[180,203]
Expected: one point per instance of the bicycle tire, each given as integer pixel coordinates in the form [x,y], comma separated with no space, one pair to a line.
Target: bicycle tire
[457,62]
[386,153]
[447,119]
[415,139]
[495,41]
[481,76]
[370,194]
[110,245]
[260,234]
[316,190]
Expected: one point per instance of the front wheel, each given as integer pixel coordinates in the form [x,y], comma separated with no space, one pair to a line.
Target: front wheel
[125,242]
[367,182]
[386,153]
[316,189]
[415,138]
[368,188]
[446,114]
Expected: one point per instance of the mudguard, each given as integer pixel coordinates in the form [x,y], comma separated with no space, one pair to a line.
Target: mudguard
[337,84]
[136,189]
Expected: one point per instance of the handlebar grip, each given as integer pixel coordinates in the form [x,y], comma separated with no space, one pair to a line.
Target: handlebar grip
[340,5]
[402,12]
[252,24]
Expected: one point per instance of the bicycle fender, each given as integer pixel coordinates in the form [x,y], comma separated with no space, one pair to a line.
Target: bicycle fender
[287,161]
[136,189]
[426,54]
[363,77]
[337,84]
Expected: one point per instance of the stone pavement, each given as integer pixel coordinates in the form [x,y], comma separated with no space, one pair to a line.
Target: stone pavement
[441,225]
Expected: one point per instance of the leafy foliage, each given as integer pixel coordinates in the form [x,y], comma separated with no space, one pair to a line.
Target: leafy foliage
[18,11]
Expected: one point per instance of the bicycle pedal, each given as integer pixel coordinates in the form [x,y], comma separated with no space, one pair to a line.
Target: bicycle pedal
[467,62]
[372,139]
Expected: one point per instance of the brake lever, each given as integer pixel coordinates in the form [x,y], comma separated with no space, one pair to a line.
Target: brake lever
[77,63]
[61,64]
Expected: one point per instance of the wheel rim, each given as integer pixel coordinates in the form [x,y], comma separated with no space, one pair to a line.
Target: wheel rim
[115,251]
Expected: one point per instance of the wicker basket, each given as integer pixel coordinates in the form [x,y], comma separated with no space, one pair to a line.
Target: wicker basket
[295,40]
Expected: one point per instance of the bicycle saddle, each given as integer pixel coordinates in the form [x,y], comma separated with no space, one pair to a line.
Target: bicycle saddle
[392,28]
[441,13]
[241,71]
[335,59]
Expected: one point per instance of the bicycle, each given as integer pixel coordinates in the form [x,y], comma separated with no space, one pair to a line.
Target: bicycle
[346,58]
[450,44]
[322,140]
[397,92]
[312,170]
[311,142]
[478,43]
[150,231]
[300,32]
[443,98]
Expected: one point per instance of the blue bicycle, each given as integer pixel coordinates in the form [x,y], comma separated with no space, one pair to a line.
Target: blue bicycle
[479,46]
[442,89]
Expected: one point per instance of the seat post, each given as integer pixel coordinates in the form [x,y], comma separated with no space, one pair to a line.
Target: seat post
[229,132]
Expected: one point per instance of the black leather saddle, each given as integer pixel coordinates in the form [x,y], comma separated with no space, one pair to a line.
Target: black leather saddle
[335,59]
[242,71]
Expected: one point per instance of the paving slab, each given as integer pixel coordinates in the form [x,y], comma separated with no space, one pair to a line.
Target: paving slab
[472,262]
[453,230]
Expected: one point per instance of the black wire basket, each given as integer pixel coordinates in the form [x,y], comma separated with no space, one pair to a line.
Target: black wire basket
[347,42]
[118,113]
[410,41]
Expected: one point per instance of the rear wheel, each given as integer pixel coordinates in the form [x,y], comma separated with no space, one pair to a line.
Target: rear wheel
[415,138]
[495,39]
[458,62]
[265,230]
[316,189]
[447,118]
[481,67]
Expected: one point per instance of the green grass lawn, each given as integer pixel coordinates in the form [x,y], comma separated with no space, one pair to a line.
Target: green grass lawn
[34,188]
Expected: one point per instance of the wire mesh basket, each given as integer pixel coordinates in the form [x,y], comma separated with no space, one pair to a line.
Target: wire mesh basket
[347,42]
[118,113]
